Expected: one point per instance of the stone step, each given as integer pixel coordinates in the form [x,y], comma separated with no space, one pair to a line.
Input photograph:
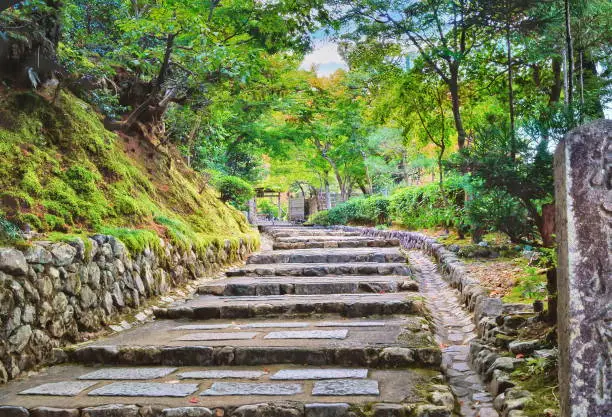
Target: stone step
[248,286]
[350,242]
[348,305]
[332,256]
[381,343]
[314,270]
[311,232]
[277,391]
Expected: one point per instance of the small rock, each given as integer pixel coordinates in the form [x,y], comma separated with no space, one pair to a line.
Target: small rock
[326,410]
[187,412]
[11,411]
[20,338]
[38,255]
[524,347]
[428,410]
[54,412]
[13,262]
[111,410]
[63,254]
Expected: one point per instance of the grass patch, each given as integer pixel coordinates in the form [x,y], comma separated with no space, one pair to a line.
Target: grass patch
[539,377]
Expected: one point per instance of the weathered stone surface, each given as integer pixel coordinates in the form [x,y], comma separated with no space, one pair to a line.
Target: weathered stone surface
[298,374]
[54,412]
[218,336]
[13,261]
[144,389]
[583,195]
[278,325]
[326,410]
[65,389]
[12,411]
[221,374]
[388,410]
[267,410]
[248,388]
[111,410]
[129,373]
[351,324]
[308,334]
[340,387]
[187,412]
[203,327]
[63,254]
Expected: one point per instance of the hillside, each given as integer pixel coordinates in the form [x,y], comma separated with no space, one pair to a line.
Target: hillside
[63,173]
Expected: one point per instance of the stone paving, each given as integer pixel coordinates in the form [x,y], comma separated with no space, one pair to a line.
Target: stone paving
[313,331]
[454,329]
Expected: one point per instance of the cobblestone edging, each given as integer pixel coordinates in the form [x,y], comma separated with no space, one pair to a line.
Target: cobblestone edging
[491,316]
[52,294]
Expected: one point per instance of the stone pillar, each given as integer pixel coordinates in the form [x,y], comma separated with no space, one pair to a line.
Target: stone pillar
[583,192]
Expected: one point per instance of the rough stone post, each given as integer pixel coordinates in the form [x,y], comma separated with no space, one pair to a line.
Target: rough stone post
[583,190]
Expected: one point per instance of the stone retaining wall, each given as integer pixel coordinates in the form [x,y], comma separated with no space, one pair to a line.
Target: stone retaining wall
[53,294]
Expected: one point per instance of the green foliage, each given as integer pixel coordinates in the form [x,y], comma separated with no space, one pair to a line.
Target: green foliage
[268,208]
[320,218]
[371,211]
[135,240]
[9,232]
[426,207]
[235,190]
[531,286]
[496,210]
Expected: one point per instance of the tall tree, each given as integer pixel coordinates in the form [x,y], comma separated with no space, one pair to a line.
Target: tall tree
[443,32]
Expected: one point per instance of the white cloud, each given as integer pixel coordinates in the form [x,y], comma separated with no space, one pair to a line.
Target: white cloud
[325,58]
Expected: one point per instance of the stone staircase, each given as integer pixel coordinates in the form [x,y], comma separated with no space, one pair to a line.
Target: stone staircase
[329,324]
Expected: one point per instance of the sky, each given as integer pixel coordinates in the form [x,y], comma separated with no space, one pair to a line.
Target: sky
[324,56]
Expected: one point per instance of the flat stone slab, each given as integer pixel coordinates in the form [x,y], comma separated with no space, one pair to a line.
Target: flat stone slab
[64,389]
[267,325]
[300,374]
[308,334]
[144,389]
[203,327]
[247,388]
[351,324]
[129,373]
[221,374]
[337,387]
[195,337]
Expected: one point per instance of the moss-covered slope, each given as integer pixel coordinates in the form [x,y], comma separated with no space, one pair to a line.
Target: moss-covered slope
[62,171]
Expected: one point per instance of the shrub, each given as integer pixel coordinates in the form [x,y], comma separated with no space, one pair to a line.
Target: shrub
[425,207]
[496,210]
[235,190]
[320,218]
[8,230]
[369,211]
[267,208]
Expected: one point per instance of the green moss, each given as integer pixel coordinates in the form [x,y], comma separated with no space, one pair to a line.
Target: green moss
[30,184]
[543,386]
[67,174]
[71,237]
[33,220]
[135,240]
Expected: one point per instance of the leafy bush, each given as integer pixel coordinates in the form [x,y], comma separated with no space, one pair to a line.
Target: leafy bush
[320,218]
[496,210]
[425,206]
[8,231]
[235,190]
[267,208]
[369,211]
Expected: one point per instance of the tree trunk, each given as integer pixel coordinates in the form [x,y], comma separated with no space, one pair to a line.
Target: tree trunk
[551,286]
[547,229]
[555,89]
[569,52]
[510,92]
[456,104]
